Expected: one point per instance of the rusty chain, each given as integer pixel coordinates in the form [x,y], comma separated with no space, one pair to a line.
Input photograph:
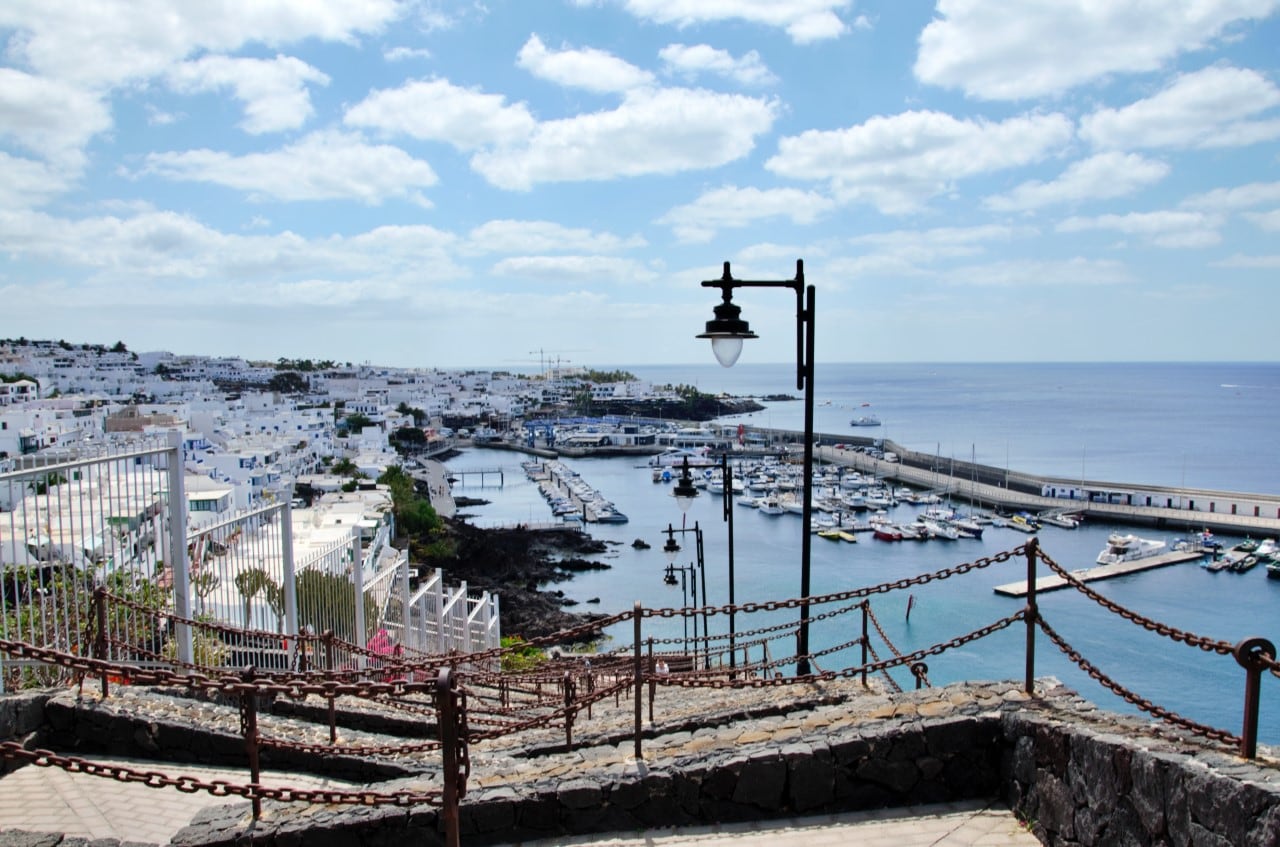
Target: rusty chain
[893,683]
[217,787]
[842,596]
[692,681]
[1222,648]
[1130,697]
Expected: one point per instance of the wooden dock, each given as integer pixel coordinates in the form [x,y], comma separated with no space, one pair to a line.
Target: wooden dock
[1054,582]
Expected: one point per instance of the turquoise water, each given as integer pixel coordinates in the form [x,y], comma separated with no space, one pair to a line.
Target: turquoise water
[1207,425]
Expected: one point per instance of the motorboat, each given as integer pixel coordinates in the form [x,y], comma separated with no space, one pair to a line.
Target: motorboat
[771,506]
[865,420]
[1129,548]
[887,532]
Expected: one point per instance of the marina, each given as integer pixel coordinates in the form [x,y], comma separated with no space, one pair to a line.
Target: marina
[1199,428]
[569,496]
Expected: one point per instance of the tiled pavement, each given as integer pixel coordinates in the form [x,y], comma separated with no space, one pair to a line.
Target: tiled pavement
[36,799]
[39,799]
[944,825]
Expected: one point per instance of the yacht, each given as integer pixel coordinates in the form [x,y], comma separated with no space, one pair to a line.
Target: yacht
[865,420]
[1129,548]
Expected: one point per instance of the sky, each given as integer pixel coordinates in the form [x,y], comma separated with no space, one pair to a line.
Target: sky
[502,183]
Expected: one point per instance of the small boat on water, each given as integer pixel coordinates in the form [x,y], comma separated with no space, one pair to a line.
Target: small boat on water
[865,420]
[1129,548]
[771,505]
[887,532]
[838,535]
[1024,522]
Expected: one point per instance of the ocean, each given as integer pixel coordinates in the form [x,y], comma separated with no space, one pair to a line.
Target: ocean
[1204,425]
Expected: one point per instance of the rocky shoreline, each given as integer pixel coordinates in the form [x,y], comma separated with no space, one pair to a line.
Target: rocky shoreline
[519,565]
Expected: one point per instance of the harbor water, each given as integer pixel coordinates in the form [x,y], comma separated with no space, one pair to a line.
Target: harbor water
[1203,425]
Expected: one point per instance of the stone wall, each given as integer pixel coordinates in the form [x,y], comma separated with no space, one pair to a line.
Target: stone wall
[1083,784]
[1075,774]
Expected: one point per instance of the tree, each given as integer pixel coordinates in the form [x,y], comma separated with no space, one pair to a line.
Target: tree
[250,583]
[288,382]
[328,601]
[356,422]
[410,436]
[119,348]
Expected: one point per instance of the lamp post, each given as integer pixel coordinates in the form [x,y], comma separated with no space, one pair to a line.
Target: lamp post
[670,579]
[726,477]
[672,550]
[727,331]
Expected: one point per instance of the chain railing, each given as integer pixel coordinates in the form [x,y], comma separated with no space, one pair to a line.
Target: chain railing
[471,703]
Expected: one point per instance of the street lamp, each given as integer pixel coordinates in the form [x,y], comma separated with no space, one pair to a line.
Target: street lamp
[672,549]
[726,478]
[685,491]
[727,331]
[670,578]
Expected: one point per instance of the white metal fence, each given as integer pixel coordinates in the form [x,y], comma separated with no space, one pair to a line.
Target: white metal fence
[226,594]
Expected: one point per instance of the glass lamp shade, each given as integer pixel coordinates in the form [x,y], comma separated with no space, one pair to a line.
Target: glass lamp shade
[671,549]
[727,349]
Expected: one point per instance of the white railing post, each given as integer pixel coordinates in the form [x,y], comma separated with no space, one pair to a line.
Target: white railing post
[178,559]
[442,639]
[288,573]
[357,576]
[406,619]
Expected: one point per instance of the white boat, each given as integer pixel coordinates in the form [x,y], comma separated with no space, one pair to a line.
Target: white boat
[1129,548]
[771,506]
[865,420]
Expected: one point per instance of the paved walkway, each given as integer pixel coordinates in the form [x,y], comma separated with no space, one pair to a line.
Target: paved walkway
[39,799]
[36,799]
[944,825]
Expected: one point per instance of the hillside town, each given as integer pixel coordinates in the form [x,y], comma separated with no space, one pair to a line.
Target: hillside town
[259,429]
[323,440]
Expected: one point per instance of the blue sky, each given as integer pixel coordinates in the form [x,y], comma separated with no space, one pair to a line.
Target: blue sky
[407,182]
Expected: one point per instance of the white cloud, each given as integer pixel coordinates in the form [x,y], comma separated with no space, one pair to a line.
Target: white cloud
[404,54]
[897,163]
[48,117]
[691,60]
[1101,177]
[27,183]
[575,270]
[104,43]
[805,21]
[652,132]
[1163,229]
[731,206]
[917,253]
[1044,47]
[588,69]
[1266,263]
[324,165]
[1234,199]
[1066,275]
[1209,108]
[1266,221]
[508,236]
[162,245]
[274,91]
[437,110]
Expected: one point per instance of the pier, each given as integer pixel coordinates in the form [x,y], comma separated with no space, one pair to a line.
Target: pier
[570,497]
[1054,582]
[482,472]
